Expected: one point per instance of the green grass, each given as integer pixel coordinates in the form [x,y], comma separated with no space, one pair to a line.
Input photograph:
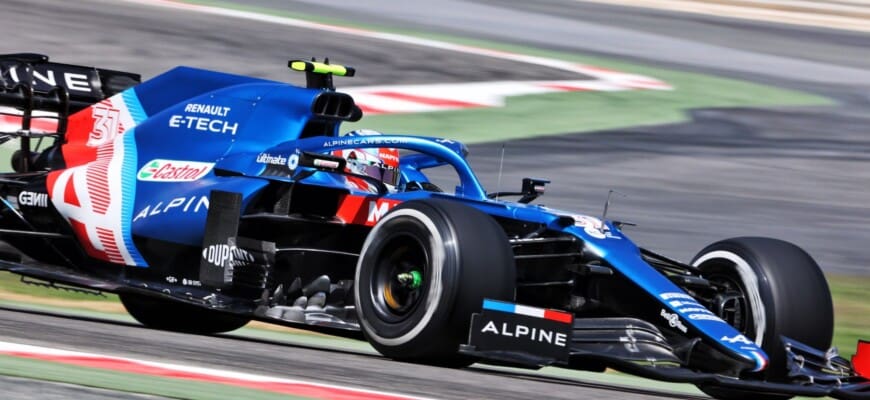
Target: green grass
[531,116]
[851,311]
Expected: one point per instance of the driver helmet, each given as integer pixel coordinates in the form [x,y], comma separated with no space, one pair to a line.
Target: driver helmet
[378,163]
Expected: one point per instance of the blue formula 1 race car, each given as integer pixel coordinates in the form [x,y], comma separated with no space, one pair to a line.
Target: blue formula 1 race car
[206,200]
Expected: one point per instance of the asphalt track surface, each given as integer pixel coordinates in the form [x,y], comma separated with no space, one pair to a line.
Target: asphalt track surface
[19,388]
[280,359]
[800,175]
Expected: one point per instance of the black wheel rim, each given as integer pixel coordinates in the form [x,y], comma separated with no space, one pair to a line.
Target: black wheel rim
[732,304]
[399,282]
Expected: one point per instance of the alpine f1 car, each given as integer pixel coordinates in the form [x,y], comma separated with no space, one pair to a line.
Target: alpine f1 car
[206,200]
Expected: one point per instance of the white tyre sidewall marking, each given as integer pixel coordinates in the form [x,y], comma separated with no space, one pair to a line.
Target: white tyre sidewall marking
[750,283]
[435,288]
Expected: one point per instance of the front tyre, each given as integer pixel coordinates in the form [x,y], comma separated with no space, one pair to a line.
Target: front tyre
[424,269]
[168,315]
[780,291]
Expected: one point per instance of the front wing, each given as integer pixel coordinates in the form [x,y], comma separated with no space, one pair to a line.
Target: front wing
[521,336]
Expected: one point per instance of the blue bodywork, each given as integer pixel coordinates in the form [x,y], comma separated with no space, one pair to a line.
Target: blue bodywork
[250,115]
[229,121]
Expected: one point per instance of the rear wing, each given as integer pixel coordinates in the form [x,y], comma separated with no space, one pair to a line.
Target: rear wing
[30,80]
[37,96]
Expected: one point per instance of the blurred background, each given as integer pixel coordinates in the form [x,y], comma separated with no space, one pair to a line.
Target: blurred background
[715,118]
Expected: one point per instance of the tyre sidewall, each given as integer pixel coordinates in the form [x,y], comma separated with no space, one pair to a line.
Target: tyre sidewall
[439,292]
[476,263]
[794,294]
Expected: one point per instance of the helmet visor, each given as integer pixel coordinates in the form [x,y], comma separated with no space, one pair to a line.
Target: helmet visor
[385,174]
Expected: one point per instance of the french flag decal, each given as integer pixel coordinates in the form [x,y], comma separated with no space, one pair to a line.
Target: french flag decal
[511,308]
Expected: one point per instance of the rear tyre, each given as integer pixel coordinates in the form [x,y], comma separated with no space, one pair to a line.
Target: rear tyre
[780,291]
[170,315]
[424,269]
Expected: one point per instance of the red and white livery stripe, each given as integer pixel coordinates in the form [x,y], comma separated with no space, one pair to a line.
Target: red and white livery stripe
[88,193]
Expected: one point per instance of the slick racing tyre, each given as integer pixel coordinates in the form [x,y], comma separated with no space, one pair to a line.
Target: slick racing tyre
[779,290]
[170,315]
[424,269]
